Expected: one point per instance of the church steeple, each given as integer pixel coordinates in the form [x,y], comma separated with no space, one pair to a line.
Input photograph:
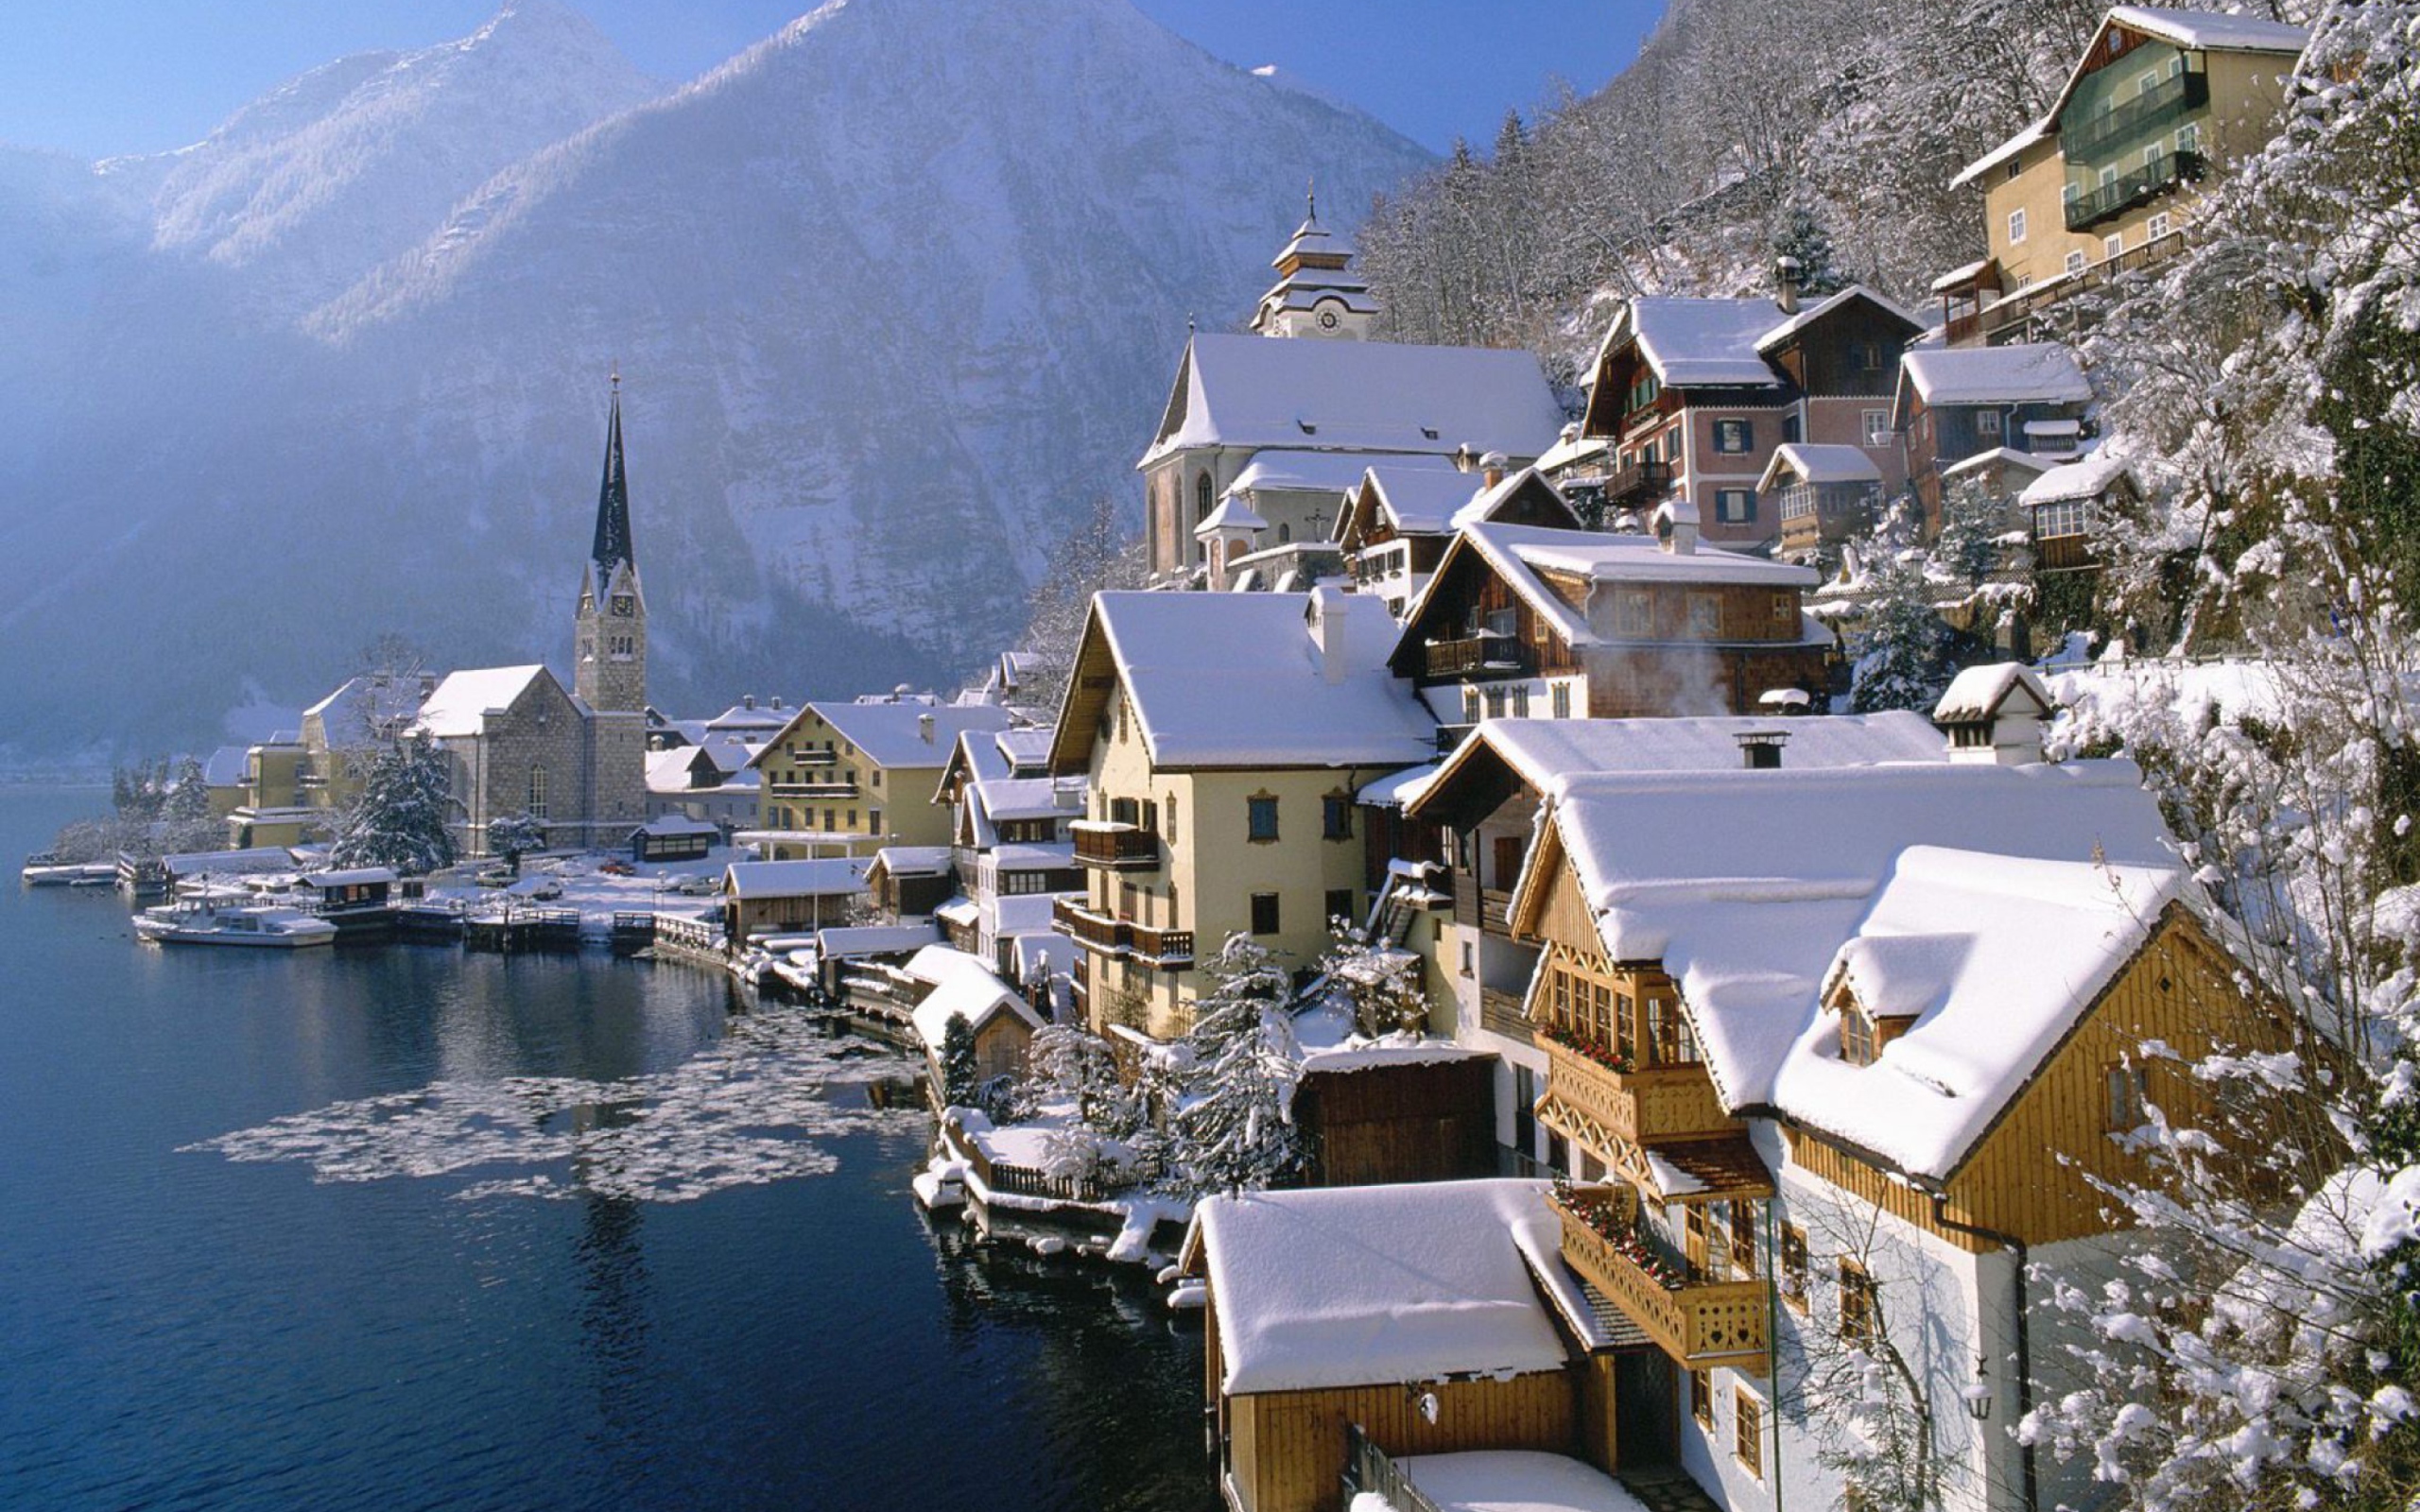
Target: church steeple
[1315,295]
[612,627]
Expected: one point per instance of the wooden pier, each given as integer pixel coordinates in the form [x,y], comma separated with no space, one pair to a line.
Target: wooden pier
[522,930]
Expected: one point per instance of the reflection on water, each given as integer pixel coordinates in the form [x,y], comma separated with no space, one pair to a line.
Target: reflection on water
[268,1246]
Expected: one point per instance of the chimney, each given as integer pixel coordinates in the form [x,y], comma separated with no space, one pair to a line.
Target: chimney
[1993,715]
[777,703]
[1464,458]
[924,727]
[1788,275]
[1490,468]
[1760,749]
[1328,632]
[1676,525]
[747,700]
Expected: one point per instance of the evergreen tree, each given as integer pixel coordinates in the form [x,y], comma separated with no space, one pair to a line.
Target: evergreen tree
[516,836]
[399,820]
[1235,1131]
[1379,984]
[189,797]
[958,1063]
[1799,232]
[1901,647]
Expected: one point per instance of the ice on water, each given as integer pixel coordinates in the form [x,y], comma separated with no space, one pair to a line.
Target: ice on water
[749,1109]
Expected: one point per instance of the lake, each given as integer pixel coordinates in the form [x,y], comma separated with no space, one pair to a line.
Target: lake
[396,1227]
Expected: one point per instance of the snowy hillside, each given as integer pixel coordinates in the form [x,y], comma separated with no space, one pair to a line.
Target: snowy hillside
[894,294]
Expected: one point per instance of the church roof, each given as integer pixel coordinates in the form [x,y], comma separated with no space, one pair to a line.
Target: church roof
[461,704]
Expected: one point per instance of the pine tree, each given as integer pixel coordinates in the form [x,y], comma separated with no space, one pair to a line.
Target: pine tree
[399,820]
[188,795]
[516,836]
[1901,650]
[1799,232]
[1235,1131]
[958,1063]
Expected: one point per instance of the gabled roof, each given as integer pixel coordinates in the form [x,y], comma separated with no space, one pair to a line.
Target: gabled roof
[2196,30]
[1419,495]
[1820,462]
[1855,293]
[1356,396]
[1231,514]
[2087,477]
[1700,343]
[1984,165]
[1234,681]
[894,735]
[1356,1286]
[367,709]
[460,705]
[1980,693]
[826,877]
[1745,885]
[2004,456]
[1528,486]
[2040,372]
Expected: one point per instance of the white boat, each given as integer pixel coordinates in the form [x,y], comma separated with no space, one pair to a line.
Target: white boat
[266,928]
[49,871]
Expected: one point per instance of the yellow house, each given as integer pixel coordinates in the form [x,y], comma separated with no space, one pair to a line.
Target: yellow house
[276,809]
[2162,101]
[850,779]
[1224,737]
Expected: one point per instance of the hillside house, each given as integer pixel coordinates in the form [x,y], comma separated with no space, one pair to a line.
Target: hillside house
[1222,738]
[2062,506]
[1396,522]
[949,985]
[1980,411]
[1014,852]
[1823,494]
[1566,624]
[848,779]
[1688,398]
[2107,181]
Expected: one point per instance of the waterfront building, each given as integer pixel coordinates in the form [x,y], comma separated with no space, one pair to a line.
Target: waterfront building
[846,779]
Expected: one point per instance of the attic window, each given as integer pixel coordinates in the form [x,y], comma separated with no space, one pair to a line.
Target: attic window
[1857,1036]
[1971,736]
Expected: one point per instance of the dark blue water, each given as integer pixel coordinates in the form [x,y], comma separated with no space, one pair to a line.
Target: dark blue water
[351,1324]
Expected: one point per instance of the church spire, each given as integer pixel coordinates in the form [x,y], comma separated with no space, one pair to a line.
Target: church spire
[612,548]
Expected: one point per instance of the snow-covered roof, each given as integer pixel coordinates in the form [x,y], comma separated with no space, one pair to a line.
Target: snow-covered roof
[460,705]
[1977,693]
[1231,514]
[1549,753]
[1821,462]
[1396,789]
[672,824]
[914,860]
[1693,342]
[1984,165]
[893,734]
[1958,277]
[1515,1480]
[821,877]
[366,709]
[1995,959]
[2087,477]
[2211,31]
[2003,455]
[1813,313]
[1027,745]
[2034,372]
[741,717]
[350,877]
[1745,885]
[1350,1286]
[1607,559]
[966,989]
[1330,472]
[1234,679]
[1421,501]
[1485,505]
[845,942]
[227,766]
[1356,396]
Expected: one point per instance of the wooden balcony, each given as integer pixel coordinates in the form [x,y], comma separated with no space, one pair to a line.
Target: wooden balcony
[2122,193]
[1636,484]
[1478,655]
[1171,950]
[1697,1323]
[1500,1013]
[1168,950]
[808,791]
[1645,1106]
[1491,910]
[1116,846]
[2059,553]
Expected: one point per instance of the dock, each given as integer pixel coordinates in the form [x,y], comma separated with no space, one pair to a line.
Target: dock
[522,930]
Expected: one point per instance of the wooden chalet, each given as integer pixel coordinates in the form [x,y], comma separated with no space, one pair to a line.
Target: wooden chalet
[1397,520]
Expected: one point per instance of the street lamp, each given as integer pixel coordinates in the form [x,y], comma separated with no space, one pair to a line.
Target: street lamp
[1979,1393]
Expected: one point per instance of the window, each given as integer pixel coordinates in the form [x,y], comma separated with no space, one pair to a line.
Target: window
[2075,262]
[1559,701]
[2015,167]
[1793,1266]
[1987,422]
[1263,913]
[1748,1432]
[1743,1239]
[1201,498]
[1705,617]
[2126,1091]
[1340,905]
[1791,428]
[2016,225]
[1784,609]
[1733,437]
[2189,137]
[1284,532]
[1495,703]
[1702,1398]
[1736,507]
[536,807]
[2113,244]
[1877,427]
[1857,1036]
[1171,806]
[1633,612]
[2065,517]
[1335,816]
[2158,226]
[1861,1307]
[1470,706]
[1261,815]
[1669,1034]
[2145,83]
[1521,701]
[1694,1228]
[1469,961]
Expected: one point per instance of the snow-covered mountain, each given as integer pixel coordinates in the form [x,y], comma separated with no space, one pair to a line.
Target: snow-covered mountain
[894,295]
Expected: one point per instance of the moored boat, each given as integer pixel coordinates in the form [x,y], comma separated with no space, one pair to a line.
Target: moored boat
[46,870]
[265,928]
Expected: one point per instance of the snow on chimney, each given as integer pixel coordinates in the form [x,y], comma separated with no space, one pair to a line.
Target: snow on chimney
[1788,275]
[777,703]
[1326,614]
[1676,525]
[1464,460]
[747,700]
[924,727]
[1490,468]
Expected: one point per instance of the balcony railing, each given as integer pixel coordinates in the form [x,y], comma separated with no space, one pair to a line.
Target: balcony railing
[1476,654]
[812,757]
[1642,1106]
[1636,482]
[801,791]
[2158,106]
[2122,193]
[1170,949]
[1116,847]
[1698,1323]
[1500,1013]
[1491,910]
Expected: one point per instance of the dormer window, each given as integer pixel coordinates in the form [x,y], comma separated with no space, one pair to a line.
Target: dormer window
[1858,1039]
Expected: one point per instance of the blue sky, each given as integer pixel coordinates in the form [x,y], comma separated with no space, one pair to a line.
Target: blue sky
[101,76]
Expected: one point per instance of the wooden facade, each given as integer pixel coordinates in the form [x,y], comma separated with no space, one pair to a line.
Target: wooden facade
[1424,1120]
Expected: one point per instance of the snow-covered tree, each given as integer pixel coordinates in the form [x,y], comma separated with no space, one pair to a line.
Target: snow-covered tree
[1234,1127]
[1071,1063]
[958,1063]
[514,835]
[399,820]
[188,798]
[1799,234]
[1901,647]
[1378,983]
[1098,555]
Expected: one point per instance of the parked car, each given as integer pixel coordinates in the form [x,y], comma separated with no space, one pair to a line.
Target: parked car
[617,867]
[697,885]
[539,889]
[494,876]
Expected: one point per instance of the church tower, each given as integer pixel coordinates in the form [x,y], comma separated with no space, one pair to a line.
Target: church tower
[1314,295]
[612,672]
